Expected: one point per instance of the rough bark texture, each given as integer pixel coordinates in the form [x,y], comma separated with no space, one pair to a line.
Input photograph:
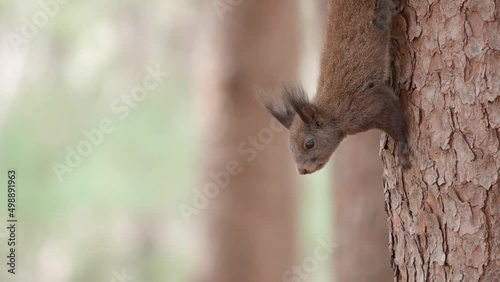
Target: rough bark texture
[444,213]
[253,219]
[360,219]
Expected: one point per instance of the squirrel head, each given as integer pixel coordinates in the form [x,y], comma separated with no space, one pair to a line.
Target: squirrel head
[313,137]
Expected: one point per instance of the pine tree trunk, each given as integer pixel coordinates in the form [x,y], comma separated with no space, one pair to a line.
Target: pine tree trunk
[360,219]
[253,218]
[444,213]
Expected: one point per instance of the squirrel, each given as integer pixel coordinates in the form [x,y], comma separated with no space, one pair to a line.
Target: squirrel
[353,93]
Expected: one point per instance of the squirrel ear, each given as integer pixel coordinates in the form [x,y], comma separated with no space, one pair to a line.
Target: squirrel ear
[284,114]
[307,113]
[296,98]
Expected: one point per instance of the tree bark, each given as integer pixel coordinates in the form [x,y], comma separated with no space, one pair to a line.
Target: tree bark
[253,219]
[360,219]
[444,213]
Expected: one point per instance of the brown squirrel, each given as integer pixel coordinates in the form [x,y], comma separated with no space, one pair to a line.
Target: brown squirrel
[353,94]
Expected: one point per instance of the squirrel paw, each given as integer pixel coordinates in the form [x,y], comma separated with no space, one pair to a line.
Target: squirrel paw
[404,155]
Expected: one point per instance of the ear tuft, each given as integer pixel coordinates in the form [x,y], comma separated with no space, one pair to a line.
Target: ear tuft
[296,97]
[283,113]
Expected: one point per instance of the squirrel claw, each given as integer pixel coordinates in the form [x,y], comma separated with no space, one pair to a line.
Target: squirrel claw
[404,155]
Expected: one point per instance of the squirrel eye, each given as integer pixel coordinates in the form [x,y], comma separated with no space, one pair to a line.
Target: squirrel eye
[309,144]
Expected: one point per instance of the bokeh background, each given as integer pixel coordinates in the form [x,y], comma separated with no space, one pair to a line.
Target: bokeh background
[119,208]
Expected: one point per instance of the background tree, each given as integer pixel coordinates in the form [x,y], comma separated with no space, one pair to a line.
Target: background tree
[360,219]
[444,213]
[253,220]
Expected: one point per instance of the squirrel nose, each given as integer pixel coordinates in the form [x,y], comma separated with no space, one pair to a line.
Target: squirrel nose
[302,171]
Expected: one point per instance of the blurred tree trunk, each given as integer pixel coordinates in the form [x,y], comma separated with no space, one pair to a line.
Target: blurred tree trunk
[360,220]
[252,218]
[444,213]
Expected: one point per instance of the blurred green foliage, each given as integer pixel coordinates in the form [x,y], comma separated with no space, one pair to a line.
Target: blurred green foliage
[119,207]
